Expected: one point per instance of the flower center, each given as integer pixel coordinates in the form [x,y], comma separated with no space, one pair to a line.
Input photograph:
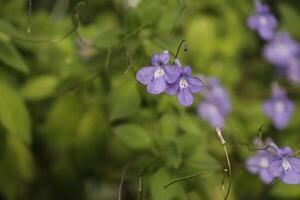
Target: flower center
[279,106]
[282,48]
[286,165]
[218,91]
[264,162]
[183,83]
[159,73]
[263,20]
[212,109]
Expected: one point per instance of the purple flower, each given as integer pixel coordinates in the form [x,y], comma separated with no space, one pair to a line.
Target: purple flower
[184,86]
[281,49]
[285,166]
[279,108]
[259,163]
[216,105]
[158,74]
[292,71]
[210,112]
[217,94]
[262,21]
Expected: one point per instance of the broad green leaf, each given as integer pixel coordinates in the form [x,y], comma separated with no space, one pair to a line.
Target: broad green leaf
[13,112]
[133,136]
[62,123]
[283,191]
[91,132]
[190,124]
[39,87]
[289,15]
[10,55]
[168,126]
[124,100]
[157,190]
[16,167]
[172,154]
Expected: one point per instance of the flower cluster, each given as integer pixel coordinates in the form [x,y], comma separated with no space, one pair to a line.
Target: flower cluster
[279,108]
[281,49]
[263,21]
[173,79]
[216,105]
[283,52]
[273,162]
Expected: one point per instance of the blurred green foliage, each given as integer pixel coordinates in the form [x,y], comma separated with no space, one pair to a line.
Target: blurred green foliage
[72,116]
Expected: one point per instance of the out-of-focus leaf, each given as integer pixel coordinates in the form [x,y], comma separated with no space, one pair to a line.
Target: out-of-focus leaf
[92,130]
[189,124]
[39,87]
[16,167]
[13,113]
[289,15]
[283,191]
[124,100]
[172,154]
[10,55]
[62,123]
[157,190]
[133,136]
[168,126]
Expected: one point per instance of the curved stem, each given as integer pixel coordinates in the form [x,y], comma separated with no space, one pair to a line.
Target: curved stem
[229,171]
[29,15]
[179,47]
[185,178]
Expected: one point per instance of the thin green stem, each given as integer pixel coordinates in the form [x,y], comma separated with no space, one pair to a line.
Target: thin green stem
[185,178]
[29,15]
[121,183]
[229,171]
[183,42]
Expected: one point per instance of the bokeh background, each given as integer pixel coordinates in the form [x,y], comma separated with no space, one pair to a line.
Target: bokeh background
[73,118]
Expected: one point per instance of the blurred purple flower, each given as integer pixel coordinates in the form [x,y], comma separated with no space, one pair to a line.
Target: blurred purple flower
[216,105]
[259,163]
[158,74]
[217,94]
[210,112]
[285,166]
[279,108]
[262,21]
[184,86]
[292,71]
[281,49]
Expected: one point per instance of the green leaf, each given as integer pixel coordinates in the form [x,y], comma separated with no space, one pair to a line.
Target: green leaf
[10,55]
[124,100]
[16,167]
[168,126]
[189,124]
[62,123]
[283,191]
[13,113]
[39,87]
[157,190]
[133,136]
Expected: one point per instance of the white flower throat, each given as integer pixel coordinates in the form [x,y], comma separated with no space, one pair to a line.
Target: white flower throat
[279,106]
[264,162]
[212,109]
[263,20]
[183,83]
[286,165]
[282,48]
[159,73]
